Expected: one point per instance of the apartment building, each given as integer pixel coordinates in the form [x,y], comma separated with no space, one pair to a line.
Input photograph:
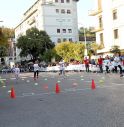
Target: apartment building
[110,24]
[57,17]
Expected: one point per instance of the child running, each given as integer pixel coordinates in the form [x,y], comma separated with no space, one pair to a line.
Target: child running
[16,72]
[36,70]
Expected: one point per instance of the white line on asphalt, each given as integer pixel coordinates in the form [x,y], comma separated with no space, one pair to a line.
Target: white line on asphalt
[28,94]
[2,79]
[13,78]
[67,91]
[72,79]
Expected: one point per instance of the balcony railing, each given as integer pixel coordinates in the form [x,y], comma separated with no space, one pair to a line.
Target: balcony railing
[94,12]
[97,29]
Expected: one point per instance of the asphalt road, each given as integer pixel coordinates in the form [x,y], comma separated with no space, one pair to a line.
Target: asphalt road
[77,105]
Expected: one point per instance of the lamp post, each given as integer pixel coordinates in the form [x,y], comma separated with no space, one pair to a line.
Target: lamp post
[1,26]
[85,40]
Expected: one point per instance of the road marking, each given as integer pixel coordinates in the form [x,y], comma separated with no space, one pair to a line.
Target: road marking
[28,94]
[13,78]
[2,79]
[67,90]
[72,79]
[23,77]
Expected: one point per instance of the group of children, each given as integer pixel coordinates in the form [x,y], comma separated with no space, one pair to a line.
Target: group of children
[16,70]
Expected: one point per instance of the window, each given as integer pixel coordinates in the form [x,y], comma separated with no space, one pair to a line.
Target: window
[57,10]
[56,1]
[63,11]
[114,14]
[59,40]
[64,30]
[68,1]
[101,37]
[64,39]
[115,33]
[70,30]
[62,1]
[68,11]
[100,22]
[58,30]
[70,39]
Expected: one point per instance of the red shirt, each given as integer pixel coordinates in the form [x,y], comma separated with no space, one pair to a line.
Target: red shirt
[100,61]
[86,61]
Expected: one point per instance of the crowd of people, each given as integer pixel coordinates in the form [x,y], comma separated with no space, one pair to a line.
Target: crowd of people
[112,64]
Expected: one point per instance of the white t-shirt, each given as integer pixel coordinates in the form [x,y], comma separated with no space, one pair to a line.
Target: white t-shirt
[62,65]
[36,67]
[106,62]
[117,61]
[16,70]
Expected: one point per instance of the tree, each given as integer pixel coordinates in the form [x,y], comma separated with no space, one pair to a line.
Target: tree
[9,33]
[3,39]
[115,49]
[90,36]
[70,50]
[34,43]
[49,54]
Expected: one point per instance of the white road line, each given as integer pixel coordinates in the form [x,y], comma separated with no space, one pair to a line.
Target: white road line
[13,78]
[68,90]
[2,79]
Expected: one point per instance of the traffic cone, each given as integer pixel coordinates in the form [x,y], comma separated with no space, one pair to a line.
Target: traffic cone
[57,88]
[12,94]
[93,86]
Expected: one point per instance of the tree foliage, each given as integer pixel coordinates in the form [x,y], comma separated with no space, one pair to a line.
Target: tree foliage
[70,50]
[87,32]
[49,54]
[3,39]
[9,33]
[34,43]
[5,34]
[3,51]
[115,49]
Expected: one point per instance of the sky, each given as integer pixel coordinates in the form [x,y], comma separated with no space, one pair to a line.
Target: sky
[11,12]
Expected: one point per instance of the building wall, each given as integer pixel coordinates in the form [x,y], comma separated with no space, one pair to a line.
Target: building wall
[43,15]
[109,25]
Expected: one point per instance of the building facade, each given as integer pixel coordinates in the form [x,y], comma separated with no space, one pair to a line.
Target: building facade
[110,24]
[57,17]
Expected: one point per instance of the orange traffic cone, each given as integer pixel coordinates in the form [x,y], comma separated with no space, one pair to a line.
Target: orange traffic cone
[93,86]
[57,88]
[12,94]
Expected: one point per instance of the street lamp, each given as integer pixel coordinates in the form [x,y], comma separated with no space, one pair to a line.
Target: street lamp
[85,40]
[0,26]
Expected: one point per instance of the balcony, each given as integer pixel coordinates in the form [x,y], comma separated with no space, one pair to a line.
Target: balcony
[94,12]
[97,29]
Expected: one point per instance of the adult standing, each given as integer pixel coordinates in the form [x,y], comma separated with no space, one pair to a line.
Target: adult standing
[117,63]
[100,63]
[36,70]
[86,62]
